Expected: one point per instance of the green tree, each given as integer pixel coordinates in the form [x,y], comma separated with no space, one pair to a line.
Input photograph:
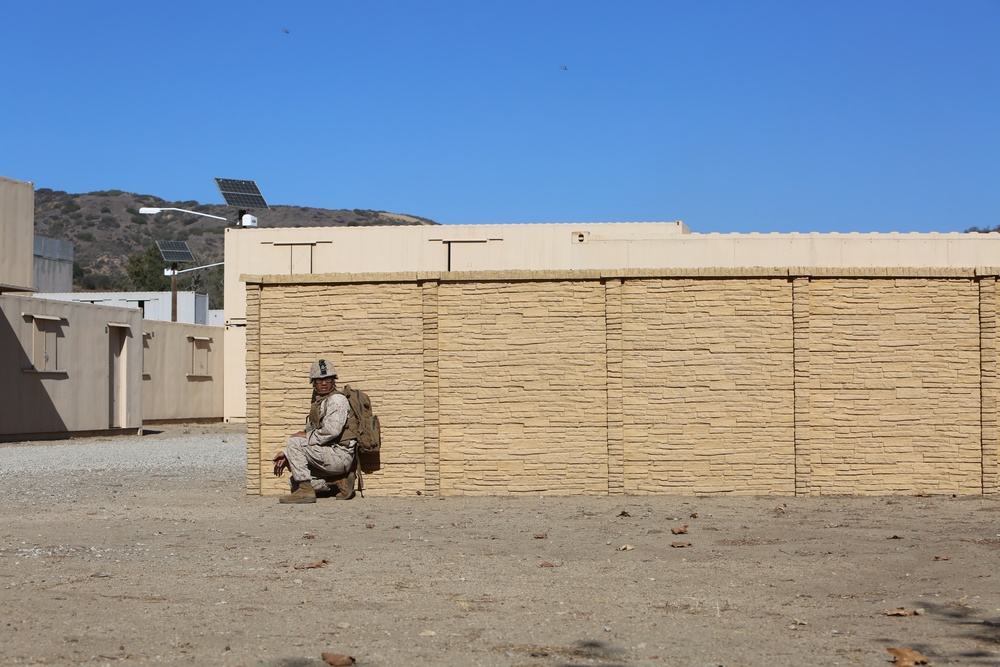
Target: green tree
[145,271]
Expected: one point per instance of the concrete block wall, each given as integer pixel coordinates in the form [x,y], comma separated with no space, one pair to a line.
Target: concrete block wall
[708,385]
[895,385]
[746,381]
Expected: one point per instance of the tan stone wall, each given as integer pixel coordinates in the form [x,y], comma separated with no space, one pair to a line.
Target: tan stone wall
[895,384]
[522,387]
[708,396]
[693,382]
[373,334]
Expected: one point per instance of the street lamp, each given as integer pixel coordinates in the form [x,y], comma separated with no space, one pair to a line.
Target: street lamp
[148,210]
[185,253]
[245,219]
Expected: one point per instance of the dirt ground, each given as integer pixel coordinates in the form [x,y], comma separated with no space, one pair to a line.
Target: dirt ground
[180,567]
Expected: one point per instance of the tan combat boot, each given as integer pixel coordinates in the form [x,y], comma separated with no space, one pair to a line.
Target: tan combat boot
[303,493]
[344,486]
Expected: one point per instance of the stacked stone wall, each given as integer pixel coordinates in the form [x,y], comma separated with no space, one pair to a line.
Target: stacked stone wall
[691,382]
[708,386]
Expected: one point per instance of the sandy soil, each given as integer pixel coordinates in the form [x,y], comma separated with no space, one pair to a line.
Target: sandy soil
[182,568]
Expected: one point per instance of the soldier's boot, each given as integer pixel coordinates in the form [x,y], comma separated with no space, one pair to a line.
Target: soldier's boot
[302,492]
[345,487]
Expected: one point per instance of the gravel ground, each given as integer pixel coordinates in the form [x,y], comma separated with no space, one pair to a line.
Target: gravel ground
[146,550]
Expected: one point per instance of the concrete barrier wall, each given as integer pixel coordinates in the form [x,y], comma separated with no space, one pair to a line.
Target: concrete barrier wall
[746,381]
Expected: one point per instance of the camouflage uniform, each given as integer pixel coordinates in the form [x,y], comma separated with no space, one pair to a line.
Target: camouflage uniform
[318,456]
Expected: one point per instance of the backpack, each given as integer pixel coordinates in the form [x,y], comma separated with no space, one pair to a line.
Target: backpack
[362,425]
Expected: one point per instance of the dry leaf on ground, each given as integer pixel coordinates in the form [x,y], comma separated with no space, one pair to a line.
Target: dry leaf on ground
[626,547]
[942,557]
[624,513]
[337,659]
[908,657]
[901,611]
[694,515]
[679,530]
[546,563]
[680,545]
[311,566]
[541,536]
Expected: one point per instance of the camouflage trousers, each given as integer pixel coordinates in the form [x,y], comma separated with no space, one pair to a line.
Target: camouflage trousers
[318,463]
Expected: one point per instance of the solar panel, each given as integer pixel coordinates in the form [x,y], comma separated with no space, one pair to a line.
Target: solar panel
[241,194]
[175,251]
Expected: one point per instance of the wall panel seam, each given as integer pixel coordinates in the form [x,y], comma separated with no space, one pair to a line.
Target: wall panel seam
[800,385]
[614,407]
[431,388]
[988,383]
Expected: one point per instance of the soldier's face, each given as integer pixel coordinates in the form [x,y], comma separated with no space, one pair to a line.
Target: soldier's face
[324,385]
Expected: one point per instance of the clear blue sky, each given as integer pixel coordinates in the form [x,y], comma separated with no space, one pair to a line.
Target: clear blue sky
[742,115]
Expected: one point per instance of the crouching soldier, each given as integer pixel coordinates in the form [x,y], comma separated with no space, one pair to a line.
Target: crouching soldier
[317,458]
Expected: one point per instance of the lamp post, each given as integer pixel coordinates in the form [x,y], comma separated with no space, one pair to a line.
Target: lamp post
[172,271]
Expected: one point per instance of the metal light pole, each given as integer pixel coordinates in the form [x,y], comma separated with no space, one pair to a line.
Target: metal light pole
[173,292]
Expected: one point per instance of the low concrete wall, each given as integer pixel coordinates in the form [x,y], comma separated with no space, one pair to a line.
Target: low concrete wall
[701,381]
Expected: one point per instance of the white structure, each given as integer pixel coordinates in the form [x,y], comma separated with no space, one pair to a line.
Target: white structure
[192,308]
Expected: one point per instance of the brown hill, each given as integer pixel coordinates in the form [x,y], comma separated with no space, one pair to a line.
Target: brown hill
[106,227]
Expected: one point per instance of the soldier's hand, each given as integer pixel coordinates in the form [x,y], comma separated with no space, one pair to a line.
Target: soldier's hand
[280,463]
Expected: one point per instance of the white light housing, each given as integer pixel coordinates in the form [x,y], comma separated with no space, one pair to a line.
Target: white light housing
[149,211]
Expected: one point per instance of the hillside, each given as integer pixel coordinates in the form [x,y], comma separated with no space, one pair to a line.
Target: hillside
[106,228]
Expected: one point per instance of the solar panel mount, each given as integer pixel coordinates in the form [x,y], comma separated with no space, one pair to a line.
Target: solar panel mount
[175,251]
[241,194]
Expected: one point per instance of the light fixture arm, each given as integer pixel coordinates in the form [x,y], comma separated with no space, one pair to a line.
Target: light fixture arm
[174,272]
[147,210]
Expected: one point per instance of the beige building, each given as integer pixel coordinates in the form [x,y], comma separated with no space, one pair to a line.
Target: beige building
[554,247]
[72,368]
[68,368]
[17,235]
[630,358]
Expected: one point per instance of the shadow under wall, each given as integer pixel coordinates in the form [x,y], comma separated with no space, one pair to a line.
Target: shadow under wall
[25,405]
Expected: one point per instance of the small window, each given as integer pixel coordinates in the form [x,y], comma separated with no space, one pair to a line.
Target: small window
[45,344]
[201,348]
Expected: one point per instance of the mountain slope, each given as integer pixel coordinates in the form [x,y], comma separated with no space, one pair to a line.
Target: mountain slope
[106,227]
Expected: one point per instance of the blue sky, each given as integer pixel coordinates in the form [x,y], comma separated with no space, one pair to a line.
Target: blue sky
[734,116]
